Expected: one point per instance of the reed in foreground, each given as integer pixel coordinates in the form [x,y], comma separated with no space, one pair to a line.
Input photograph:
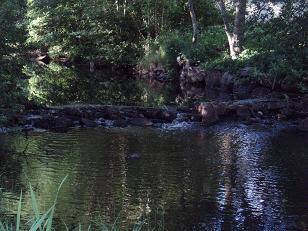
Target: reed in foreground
[44,221]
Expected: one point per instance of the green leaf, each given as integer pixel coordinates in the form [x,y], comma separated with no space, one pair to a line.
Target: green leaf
[19,213]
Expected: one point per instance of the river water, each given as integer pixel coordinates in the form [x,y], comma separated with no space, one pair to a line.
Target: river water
[227,177]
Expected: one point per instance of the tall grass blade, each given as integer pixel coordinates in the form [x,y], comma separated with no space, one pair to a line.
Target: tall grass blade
[34,204]
[67,229]
[39,222]
[19,213]
[104,227]
[50,218]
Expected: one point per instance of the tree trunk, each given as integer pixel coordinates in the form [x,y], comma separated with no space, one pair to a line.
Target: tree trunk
[235,37]
[239,26]
[193,20]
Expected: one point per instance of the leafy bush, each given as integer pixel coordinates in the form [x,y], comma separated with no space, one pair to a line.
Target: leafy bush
[167,47]
[13,86]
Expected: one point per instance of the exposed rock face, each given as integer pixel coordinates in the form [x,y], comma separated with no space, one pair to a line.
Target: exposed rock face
[198,84]
[192,79]
[154,72]
[192,82]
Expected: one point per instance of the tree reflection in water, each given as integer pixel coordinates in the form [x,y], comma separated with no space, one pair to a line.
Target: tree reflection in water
[232,178]
[56,84]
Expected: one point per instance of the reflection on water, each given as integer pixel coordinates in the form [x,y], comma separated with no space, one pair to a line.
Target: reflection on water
[56,84]
[225,178]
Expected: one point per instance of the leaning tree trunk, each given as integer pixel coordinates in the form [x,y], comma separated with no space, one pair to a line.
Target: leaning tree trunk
[193,20]
[235,37]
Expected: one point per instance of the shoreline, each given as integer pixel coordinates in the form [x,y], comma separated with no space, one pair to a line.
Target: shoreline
[261,111]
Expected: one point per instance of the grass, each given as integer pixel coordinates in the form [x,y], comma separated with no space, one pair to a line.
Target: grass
[44,221]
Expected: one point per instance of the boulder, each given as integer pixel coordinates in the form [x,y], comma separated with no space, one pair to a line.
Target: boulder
[227,81]
[195,75]
[45,122]
[61,124]
[112,114]
[142,122]
[208,113]
[27,128]
[166,116]
[194,92]
[192,81]
[151,113]
[243,112]
[74,113]
[220,108]
[88,123]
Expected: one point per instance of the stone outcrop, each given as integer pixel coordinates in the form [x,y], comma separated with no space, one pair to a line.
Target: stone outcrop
[59,119]
[198,84]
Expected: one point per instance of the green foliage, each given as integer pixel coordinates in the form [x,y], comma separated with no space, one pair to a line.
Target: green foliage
[56,84]
[13,86]
[89,30]
[106,30]
[275,49]
[3,120]
[167,47]
[144,33]
[12,34]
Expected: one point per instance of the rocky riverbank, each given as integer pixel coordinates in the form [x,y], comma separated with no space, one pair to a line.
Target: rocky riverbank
[217,96]
[249,111]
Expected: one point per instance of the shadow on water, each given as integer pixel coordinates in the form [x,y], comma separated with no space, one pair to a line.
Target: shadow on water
[56,84]
[225,178]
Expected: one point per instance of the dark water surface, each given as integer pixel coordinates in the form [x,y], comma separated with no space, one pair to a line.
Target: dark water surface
[229,177]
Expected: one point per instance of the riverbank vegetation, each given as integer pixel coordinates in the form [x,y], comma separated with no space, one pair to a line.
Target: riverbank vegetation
[269,37]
